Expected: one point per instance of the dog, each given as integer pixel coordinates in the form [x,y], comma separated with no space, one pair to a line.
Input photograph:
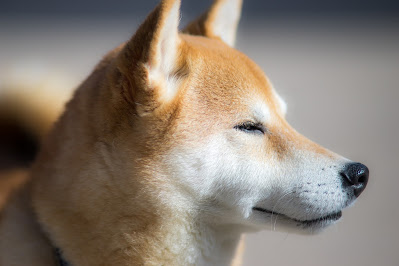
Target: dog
[168,152]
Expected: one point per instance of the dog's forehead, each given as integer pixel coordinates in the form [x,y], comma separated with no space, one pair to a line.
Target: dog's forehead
[220,59]
[220,70]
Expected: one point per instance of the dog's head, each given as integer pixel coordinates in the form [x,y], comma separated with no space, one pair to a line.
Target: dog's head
[216,127]
[202,129]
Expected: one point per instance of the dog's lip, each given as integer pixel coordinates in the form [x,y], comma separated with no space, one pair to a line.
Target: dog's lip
[329,217]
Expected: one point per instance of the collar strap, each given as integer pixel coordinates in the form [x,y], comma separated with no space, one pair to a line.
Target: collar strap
[59,259]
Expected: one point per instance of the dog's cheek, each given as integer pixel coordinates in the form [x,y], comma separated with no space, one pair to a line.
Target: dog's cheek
[215,171]
[238,177]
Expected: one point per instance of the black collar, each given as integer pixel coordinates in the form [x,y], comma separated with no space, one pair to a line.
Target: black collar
[59,259]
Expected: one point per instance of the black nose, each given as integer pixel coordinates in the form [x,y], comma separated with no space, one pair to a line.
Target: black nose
[357,175]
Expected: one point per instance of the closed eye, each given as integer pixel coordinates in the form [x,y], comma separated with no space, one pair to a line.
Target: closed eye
[251,127]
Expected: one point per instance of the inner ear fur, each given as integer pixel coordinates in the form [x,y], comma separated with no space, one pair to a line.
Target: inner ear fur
[150,60]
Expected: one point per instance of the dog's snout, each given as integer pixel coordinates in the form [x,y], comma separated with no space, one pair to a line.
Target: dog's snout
[357,175]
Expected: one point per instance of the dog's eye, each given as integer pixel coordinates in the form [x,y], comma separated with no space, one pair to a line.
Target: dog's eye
[251,127]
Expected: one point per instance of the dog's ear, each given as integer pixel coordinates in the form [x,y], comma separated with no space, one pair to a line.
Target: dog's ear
[220,21]
[150,62]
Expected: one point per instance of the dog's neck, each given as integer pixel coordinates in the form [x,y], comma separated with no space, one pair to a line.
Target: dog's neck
[178,240]
[185,240]
[115,225]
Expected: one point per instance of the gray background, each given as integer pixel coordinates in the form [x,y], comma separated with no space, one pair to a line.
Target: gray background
[254,7]
[335,62]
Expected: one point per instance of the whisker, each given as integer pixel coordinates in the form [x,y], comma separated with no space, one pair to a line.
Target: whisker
[273,225]
[275,221]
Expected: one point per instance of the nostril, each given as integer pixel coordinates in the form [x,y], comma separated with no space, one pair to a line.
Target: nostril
[356,174]
[362,179]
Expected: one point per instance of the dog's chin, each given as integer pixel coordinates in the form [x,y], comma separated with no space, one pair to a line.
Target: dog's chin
[282,222]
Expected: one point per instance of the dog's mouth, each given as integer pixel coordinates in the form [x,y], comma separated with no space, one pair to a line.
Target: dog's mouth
[327,219]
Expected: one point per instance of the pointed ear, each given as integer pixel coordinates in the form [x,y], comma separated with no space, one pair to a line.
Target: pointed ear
[150,59]
[220,21]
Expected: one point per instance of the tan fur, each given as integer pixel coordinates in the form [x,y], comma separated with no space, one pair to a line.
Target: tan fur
[205,24]
[99,189]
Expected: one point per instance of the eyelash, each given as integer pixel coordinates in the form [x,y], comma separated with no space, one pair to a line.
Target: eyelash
[251,127]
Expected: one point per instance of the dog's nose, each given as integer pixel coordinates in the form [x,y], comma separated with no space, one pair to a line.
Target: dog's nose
[357,175]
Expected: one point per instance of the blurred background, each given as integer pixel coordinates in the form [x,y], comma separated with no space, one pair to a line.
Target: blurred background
[336,63]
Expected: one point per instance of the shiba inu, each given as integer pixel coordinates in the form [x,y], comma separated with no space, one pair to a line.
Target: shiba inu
[168,152]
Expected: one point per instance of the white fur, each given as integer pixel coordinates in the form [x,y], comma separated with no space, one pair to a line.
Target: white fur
[261,112]
[220,181]
[161,67]
[230,173]
[282,104]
